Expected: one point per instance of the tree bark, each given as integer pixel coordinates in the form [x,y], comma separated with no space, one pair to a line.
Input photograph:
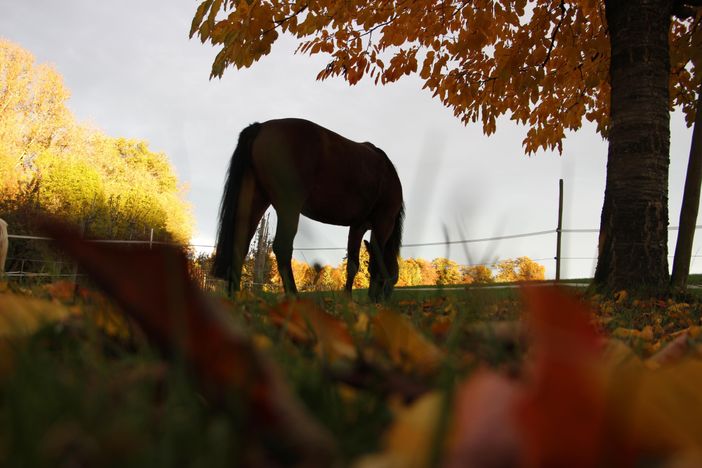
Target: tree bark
[690,205]
[633,245]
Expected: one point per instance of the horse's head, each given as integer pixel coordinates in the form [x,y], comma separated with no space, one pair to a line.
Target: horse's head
[384,272]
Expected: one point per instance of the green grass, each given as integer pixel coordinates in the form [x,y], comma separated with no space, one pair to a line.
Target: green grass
[77,397]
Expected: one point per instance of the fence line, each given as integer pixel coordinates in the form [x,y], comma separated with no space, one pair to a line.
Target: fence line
[419,244]
[557,258]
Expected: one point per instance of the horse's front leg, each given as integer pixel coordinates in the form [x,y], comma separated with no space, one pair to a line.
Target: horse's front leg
[283,248]
[352,253]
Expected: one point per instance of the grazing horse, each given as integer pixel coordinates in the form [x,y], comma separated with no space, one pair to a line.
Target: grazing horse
[4,243]
[300,167]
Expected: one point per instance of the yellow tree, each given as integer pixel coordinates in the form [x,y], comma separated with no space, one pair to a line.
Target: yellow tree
[547,64]
[428,272]
[410,273]
[477,274]
[447,271]
[362,279]
[115,187]
[519,269]
[33,112]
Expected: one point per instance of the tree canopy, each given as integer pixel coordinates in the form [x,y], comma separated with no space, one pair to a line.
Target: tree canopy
[544,64]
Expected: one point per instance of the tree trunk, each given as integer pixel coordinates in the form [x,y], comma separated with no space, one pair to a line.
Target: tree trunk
[633,245]
[690,205]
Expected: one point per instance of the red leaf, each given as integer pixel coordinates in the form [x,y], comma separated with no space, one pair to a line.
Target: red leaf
[562,414]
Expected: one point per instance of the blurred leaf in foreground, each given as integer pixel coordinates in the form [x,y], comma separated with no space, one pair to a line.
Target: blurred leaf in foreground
[153,287]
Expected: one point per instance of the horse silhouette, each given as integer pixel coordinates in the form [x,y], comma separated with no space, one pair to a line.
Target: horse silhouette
[299,167]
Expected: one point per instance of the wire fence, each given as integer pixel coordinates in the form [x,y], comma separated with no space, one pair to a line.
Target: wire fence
[43,268]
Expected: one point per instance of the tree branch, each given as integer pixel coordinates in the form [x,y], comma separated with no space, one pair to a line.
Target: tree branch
[553,35]
[281,21]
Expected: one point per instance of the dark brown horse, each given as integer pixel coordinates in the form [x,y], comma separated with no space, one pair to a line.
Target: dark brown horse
[302,168]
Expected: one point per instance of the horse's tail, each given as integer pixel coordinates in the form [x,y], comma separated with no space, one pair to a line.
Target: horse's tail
[226,229]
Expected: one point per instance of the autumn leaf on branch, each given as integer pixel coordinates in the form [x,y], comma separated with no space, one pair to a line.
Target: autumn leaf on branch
[543,64]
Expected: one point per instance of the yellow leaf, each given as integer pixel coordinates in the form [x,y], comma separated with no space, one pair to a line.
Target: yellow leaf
[406,346]
[645,334]
[620,296]
[666,407]
[22,316]
[262,342]
[408,442]
[362,323]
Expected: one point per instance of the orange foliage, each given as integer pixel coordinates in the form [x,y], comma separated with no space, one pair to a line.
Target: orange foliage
[545,64]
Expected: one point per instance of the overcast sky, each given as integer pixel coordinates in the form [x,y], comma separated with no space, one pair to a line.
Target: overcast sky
[133,72]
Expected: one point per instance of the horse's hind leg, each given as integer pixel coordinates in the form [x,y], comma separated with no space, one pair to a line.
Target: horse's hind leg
[352,250]
[283,247]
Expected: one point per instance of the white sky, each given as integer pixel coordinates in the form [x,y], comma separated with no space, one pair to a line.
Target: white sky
[133,72]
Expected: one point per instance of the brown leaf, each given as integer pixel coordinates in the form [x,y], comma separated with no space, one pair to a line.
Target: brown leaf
[153,287]
[306,322]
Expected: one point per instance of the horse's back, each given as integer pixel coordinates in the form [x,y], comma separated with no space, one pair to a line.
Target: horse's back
[326,176]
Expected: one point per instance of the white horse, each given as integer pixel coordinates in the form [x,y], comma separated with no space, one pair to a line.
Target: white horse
[3,245]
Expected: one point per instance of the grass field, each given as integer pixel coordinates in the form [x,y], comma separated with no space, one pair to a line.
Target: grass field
[354,384]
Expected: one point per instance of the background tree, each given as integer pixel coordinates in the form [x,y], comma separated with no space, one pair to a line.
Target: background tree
[113,187]
[429,274]
[410,273]
[690,205]
[447,271]
[529,270]
[519,269]
[362,279]
[476,274]
[547,64]
[506,271]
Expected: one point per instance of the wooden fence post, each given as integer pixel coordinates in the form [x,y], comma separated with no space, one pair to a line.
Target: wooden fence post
[559,229]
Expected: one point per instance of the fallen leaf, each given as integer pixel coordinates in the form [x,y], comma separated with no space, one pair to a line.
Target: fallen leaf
[408,442]
[441,326]
[484,431]
[562,413]
[407,347]
[665,408]
[645,334]
[23,315]
[362,323]
[621,296]
[63,291]
[671,352]
[153,286]
[306,322]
